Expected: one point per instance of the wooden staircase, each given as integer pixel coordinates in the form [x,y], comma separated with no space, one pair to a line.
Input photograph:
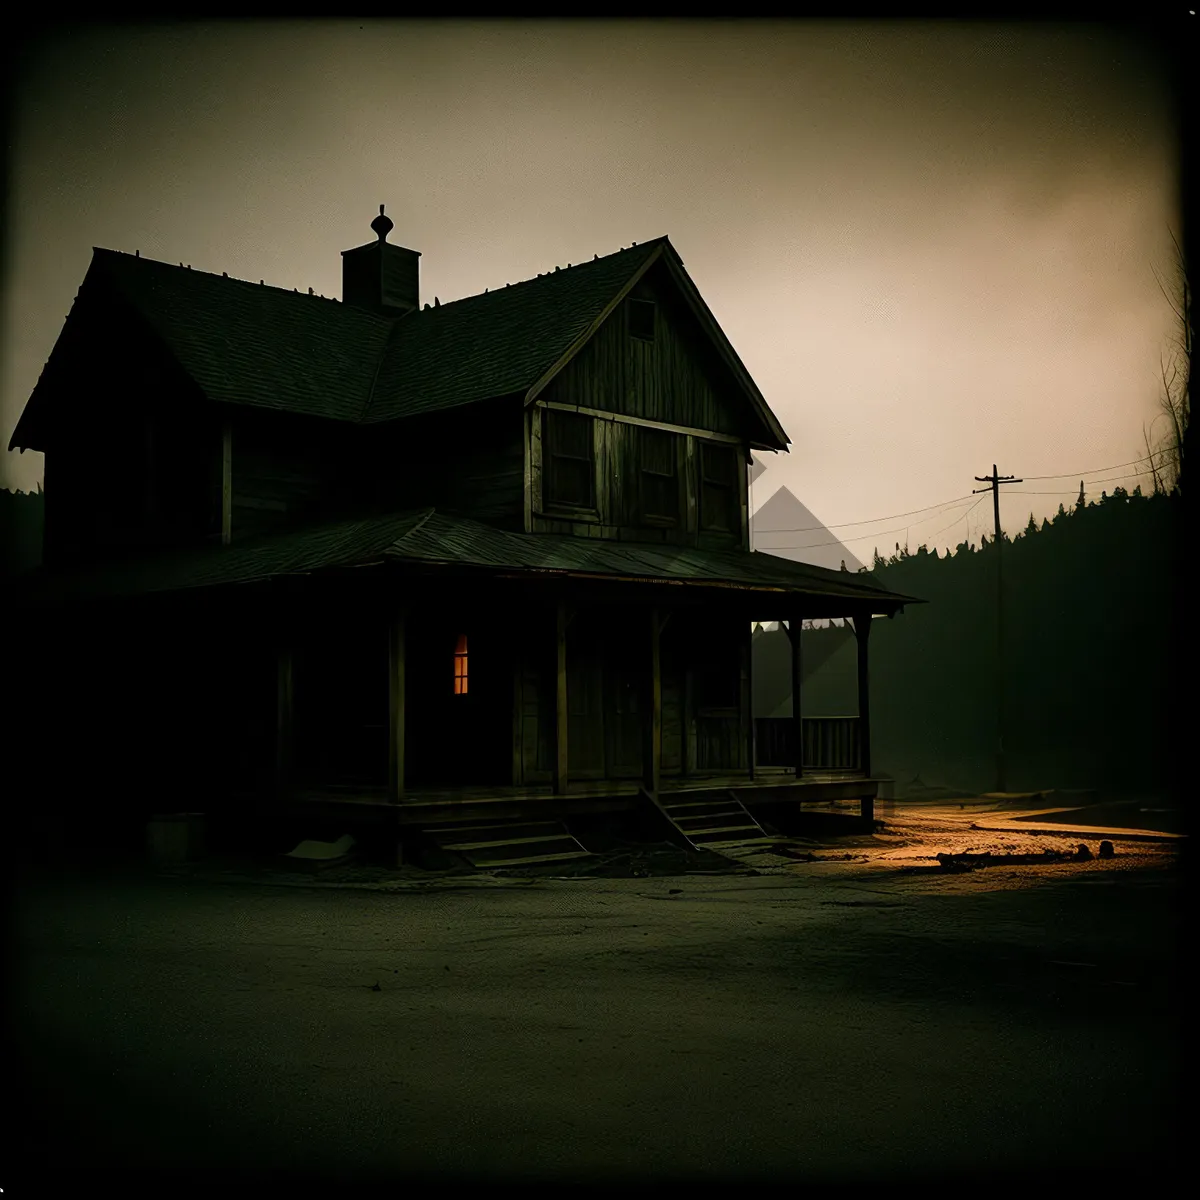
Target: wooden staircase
[509,843]
[711,823]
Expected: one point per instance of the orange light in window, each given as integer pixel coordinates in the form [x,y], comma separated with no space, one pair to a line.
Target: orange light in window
[460,666]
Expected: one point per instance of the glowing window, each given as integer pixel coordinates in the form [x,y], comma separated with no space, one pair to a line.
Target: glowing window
[460,666]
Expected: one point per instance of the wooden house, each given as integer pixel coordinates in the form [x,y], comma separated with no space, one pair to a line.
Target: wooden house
[479,561]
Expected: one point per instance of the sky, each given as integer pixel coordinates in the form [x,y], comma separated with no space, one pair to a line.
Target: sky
[935,246]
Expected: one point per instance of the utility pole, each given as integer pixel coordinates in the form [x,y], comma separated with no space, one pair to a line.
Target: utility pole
[994,480]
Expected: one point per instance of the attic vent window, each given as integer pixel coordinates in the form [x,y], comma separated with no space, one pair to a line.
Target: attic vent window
[641,320]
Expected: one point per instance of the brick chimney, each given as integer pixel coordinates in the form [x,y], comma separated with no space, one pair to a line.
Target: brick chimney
[382,278]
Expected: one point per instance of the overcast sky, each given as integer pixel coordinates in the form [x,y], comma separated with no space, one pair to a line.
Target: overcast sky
[934,247]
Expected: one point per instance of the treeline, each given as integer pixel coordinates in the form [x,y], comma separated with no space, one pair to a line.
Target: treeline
[21,517]
[1090,670]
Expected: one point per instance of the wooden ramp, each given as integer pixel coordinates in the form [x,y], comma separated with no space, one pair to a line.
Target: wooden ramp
[711,822]
[509,843]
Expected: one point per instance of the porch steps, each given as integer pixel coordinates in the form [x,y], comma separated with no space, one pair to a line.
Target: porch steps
[714,823]
[509,843]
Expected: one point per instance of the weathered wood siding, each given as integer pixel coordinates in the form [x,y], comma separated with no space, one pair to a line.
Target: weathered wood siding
[674,382]
[131,456]
[286,470]
[607,674]
[617,514]
[468,461]
[676,379]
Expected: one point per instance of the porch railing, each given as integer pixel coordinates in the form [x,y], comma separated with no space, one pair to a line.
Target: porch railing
[830,743]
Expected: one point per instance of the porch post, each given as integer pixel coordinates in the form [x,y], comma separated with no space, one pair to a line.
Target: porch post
[652,755]
[862,631]
[793,630]
[285,698]
[560,701]
[688,749]
[396,708]
[748,694]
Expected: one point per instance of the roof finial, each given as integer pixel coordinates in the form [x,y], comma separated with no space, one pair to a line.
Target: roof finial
[382,225]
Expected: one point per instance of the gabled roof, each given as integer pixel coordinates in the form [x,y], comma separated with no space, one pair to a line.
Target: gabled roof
[501,342]
[248,344]
[430,537]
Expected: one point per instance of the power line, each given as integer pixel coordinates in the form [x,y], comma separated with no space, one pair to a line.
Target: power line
[1073,491]
[956,520]
[861,537]
[1099,470]
[867,521]
[1088,476]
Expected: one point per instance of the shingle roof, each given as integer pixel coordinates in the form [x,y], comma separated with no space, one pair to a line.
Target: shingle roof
[431,537]
[498,343]
[245,343]
[249,344]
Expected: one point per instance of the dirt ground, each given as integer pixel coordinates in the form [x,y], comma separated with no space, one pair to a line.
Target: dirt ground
[865,1016]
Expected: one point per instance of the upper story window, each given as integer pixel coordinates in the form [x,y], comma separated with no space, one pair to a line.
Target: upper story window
[642,317]
[719,500]
[570,476]
[658,475]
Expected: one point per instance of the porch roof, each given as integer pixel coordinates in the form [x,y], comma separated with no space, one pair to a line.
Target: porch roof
[433,538]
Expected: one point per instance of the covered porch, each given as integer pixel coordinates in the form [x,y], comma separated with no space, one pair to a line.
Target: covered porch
[368,672]
[552,696]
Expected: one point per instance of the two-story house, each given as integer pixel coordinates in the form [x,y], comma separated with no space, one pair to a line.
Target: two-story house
[392,556]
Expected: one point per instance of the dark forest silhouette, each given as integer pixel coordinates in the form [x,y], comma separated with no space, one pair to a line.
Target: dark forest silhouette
[21,516]
[1089,667]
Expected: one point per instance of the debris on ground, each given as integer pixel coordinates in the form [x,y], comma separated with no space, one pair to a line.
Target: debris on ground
[970,860]
[1106,850]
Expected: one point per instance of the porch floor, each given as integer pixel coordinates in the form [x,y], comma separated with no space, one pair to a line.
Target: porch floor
[769,785]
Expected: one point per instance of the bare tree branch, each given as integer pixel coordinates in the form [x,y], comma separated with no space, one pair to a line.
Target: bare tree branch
[1174,402]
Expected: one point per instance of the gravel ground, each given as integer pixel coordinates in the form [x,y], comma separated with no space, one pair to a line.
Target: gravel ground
[866,1016]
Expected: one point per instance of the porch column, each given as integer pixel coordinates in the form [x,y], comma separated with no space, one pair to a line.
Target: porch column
[560,701]
[652,725]
[687,732]
[862,631]
[793,630]
[396,708]
[285,719]
[747,705]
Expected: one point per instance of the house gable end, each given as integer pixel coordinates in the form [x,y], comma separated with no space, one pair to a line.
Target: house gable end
[656,353]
